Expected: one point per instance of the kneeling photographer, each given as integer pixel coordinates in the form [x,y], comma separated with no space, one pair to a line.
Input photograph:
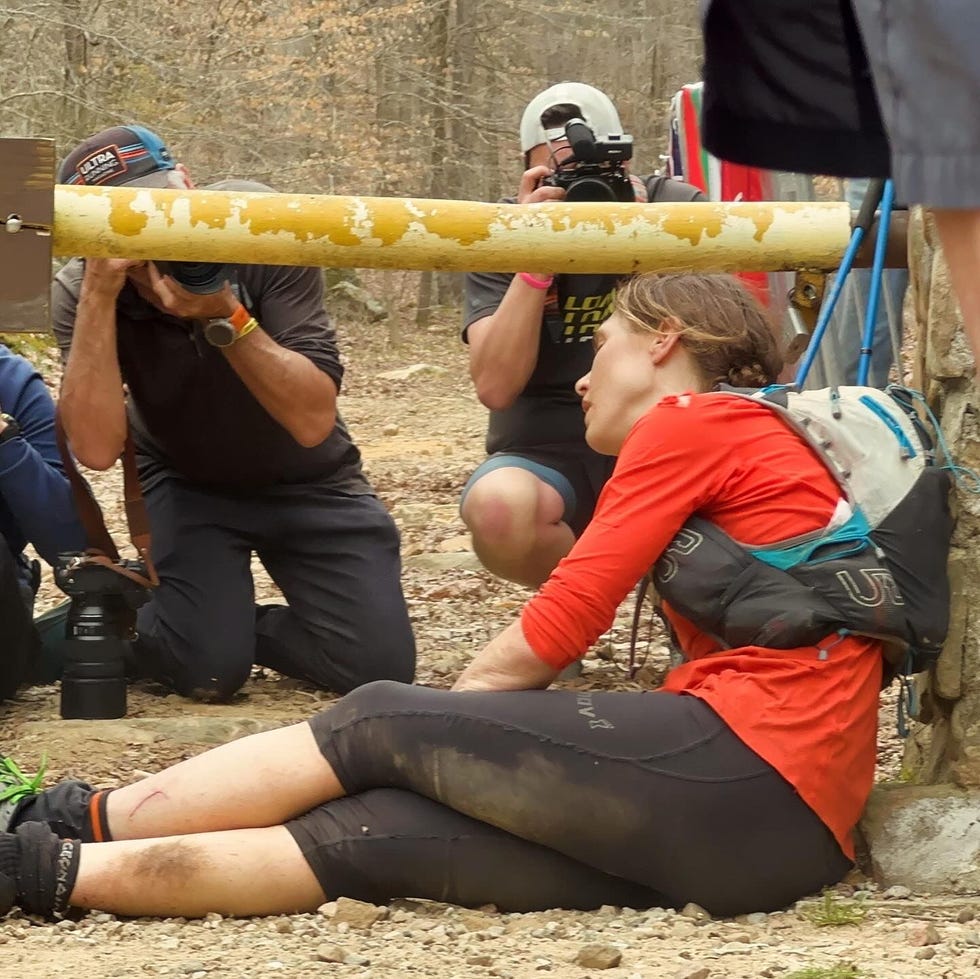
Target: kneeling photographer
[530,339]
[231,376]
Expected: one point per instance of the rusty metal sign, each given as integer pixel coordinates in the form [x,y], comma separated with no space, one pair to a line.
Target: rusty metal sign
[27,168]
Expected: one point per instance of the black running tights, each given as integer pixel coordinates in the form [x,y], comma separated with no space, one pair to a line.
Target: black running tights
[539,799]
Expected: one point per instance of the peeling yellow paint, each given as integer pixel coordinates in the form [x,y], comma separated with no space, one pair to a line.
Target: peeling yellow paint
[763,222]
[449,227]
[123,220]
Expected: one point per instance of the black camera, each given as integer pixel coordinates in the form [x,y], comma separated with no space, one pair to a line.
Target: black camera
[596,170]
[101,625]
[203,278]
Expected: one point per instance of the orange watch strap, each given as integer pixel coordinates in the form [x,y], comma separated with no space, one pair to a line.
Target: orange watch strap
[239,318]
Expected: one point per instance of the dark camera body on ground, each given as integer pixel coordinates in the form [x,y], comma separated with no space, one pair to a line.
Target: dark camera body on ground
[597,170]
[100,628]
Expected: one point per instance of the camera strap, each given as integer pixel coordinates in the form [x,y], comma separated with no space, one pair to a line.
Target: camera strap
[102,549]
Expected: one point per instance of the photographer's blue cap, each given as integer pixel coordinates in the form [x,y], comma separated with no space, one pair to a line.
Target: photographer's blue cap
[120,155]
[595,108]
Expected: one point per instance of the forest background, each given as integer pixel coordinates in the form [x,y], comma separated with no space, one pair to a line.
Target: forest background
[391,98]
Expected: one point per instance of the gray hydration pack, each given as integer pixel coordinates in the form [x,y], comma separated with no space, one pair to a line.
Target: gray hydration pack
[877,569]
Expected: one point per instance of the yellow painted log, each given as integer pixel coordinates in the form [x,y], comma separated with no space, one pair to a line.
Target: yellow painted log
[375,232]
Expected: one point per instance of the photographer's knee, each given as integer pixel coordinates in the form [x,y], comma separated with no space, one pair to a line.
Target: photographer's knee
[213,690]
[215,683]
[500,509]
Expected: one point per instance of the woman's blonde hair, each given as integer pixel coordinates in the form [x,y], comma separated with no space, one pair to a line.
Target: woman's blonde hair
[720,323]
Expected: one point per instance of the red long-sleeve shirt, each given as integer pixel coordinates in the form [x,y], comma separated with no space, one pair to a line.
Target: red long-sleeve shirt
[812,716]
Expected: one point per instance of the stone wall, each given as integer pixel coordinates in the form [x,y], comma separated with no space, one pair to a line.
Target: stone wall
[945,746]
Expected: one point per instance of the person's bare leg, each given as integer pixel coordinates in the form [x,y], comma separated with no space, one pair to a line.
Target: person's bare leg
[243,872]
[516,523]
[261,780]
[960,235]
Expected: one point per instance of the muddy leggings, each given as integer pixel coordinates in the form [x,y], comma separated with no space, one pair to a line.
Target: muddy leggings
[541,799]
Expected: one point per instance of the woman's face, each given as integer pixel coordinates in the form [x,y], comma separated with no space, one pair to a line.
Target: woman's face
[621,387]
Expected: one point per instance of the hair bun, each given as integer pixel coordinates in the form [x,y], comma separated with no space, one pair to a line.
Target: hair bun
[748,376]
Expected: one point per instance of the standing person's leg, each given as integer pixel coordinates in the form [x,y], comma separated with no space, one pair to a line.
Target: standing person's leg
[887,347]
[927,79]
[336,559]
[959,232]
[196,632]
[848,324]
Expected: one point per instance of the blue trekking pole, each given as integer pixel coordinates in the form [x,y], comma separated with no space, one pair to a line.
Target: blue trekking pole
[863,222]
[877,273]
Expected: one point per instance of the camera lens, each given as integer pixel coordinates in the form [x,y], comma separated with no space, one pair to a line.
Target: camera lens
[203,278]
[93,684]
[98,633]
[590,189]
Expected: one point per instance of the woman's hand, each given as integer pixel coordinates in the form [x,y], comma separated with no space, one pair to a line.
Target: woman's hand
[506,663]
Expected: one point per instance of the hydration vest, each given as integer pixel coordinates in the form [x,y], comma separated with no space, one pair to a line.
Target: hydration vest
[877,569]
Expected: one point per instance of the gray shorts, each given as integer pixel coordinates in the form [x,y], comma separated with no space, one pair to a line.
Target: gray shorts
[924,57]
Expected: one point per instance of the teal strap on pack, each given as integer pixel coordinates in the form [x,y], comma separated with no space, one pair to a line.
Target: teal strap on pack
[966,478]
[908,449]
[855,532]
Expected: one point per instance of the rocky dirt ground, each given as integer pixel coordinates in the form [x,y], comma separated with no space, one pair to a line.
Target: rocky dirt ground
[421,432]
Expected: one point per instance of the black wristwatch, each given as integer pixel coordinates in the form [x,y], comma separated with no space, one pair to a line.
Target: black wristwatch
[12,429]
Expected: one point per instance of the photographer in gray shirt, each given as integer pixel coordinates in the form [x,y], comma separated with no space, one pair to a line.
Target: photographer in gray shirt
[233,375]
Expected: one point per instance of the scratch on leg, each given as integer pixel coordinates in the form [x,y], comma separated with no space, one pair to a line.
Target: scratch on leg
[146,799]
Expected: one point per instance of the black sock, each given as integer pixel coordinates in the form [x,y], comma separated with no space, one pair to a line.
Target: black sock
[46,869]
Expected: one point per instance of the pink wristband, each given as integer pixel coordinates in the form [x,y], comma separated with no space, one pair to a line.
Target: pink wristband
[534,282]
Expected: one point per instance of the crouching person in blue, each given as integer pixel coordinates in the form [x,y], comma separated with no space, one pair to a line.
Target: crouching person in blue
[36,508]
[232,387]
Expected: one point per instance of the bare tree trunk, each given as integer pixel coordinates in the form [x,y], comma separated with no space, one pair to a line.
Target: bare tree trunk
[76,117]
[440,95]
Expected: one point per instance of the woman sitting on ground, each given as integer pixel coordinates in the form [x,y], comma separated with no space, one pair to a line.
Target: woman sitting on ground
[735,786]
